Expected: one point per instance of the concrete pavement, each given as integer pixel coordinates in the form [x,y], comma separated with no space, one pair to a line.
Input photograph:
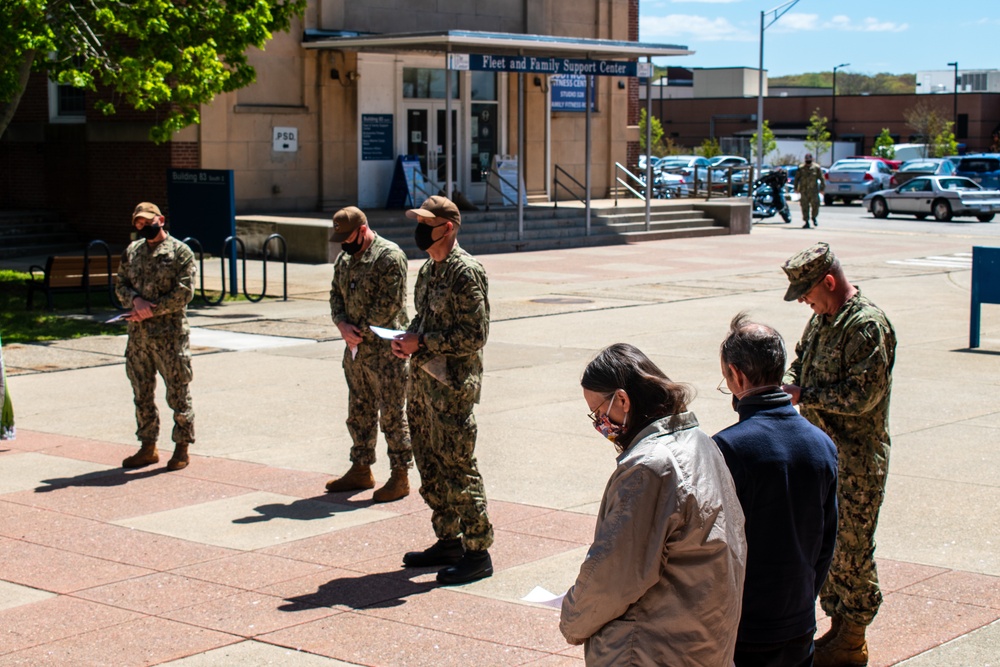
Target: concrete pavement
[243,558]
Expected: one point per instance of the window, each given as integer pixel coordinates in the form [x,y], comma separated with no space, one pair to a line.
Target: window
[427,83]
[66,104]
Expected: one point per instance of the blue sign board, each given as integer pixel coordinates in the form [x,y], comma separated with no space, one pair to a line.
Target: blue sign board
[376,136]
[569,92]
[532,65]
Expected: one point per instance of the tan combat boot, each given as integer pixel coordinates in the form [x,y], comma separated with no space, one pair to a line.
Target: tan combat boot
[357,478]
[827,637]
[180,458]
[847,649]
[146,456]
[397,487]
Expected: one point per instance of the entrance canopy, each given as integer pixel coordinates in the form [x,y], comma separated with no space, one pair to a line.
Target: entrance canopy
[489,43]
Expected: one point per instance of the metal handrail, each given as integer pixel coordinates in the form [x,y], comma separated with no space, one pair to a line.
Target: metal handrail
[86,275]
[558,184]
[640,181]
[490,186]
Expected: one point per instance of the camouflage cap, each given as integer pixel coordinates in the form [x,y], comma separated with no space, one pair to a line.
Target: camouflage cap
[805,269]
[146,210]
[436,207]
[345,222]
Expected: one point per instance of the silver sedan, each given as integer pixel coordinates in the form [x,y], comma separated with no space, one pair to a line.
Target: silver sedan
[943,197]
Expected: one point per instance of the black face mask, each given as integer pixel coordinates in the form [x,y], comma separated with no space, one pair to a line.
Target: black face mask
[150,232]
[352,248]
[424,236]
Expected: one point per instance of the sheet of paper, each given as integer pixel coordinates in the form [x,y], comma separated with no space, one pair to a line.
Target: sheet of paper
[119,317]
[388,334]
[539,595]
[354,351]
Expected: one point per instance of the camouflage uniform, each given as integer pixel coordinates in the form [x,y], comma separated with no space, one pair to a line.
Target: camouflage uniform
[370,288]
[446,375]
[809,183]
[844,367]
[162,274]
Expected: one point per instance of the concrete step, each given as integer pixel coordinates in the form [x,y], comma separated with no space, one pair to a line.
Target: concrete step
[7,252]
[31,232]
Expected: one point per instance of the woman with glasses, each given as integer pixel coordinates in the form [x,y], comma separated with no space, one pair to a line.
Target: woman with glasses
[663,580]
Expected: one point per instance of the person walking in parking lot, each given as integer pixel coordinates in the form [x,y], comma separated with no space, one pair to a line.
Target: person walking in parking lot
[809,183]
[369,288]
[841,379]
[445,343]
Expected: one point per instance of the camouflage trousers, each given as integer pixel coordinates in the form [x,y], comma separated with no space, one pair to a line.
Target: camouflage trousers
[170,356]
[376,386]
[443,432]
[851,589]
[810,205]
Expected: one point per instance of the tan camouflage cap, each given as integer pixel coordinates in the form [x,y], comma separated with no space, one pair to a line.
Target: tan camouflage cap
[345,222]
[806,269]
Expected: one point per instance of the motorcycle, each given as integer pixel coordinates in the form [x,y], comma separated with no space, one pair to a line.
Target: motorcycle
[768,196]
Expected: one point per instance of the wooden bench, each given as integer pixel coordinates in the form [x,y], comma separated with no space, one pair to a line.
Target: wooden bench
[72,274]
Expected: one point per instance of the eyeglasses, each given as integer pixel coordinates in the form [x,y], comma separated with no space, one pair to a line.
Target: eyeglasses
[723,389]
[593,416]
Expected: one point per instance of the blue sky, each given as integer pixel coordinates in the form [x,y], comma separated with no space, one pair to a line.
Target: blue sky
[896,36]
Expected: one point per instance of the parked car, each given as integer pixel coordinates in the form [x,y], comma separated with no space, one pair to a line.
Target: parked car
[848,180]
[933,166]
[892,163]
[944,197]
[688,166]
[983,168]
[725,167]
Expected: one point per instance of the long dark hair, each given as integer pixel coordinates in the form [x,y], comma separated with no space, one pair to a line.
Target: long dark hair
[653,395]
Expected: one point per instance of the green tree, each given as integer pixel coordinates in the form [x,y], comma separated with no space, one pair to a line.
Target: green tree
[168,55]
[656,135]
[770,144]
[884,145]
[943,144]
[817,136]
[709,148]
[927,123]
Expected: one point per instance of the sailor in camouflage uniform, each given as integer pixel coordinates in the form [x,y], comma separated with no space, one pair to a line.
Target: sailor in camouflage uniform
[841,380]
[369,288]
[156,280]
[446,340]
[809,183]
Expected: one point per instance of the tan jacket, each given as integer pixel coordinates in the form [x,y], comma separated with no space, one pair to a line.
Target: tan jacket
[662,583]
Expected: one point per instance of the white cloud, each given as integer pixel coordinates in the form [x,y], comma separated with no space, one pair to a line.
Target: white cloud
[807,22]
[691,27]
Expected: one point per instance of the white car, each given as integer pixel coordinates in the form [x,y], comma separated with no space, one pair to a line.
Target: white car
[941,196]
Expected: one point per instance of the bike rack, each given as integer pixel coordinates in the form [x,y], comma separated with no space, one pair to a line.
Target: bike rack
[239,243]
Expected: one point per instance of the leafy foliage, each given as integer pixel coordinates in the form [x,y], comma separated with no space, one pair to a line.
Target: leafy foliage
[850,83]
[884,145]
[930,126]
[168,55]
[770,144]
[655,135]
[709,148]
[817,136]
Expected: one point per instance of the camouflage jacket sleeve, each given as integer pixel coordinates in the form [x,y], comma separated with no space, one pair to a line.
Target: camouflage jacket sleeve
[124,289]
[338,308]
[471,321]
[867,363]
[794,371]
[385,304]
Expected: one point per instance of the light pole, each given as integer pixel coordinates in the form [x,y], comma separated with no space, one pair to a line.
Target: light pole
[775,14]
[833,111]
[955,97]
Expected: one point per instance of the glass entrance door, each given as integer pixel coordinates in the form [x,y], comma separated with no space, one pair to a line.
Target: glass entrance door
[425,138]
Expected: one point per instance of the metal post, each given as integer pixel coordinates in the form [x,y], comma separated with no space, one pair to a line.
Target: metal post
[447,127]
[590,92]
[955,97]
[760,102]
[833,110]
[520,156]
[649,138]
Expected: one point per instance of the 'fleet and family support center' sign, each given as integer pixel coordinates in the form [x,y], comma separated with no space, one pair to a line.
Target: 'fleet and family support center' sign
[532,65]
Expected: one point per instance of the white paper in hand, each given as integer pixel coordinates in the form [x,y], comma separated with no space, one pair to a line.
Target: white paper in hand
[539,595]
[388,334]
